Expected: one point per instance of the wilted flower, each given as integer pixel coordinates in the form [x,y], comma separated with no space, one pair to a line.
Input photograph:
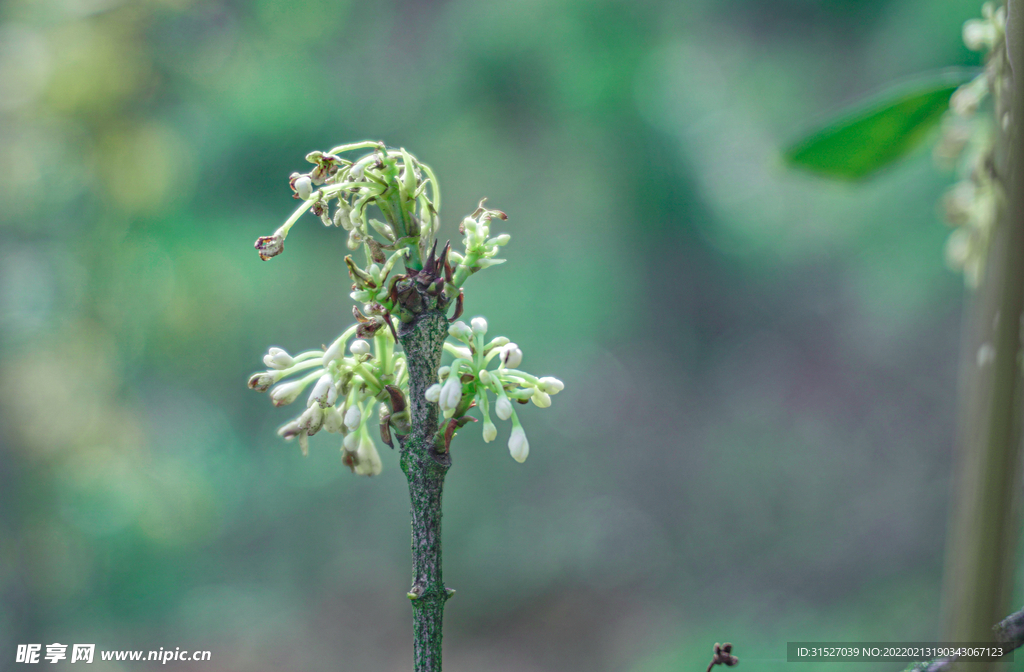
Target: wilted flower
[269,246]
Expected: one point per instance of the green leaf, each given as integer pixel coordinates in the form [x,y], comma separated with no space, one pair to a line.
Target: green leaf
[879,131]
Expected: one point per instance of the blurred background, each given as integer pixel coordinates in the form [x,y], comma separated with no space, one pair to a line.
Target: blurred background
[755,439]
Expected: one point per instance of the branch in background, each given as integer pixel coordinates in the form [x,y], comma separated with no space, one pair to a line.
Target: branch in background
[1009,632]
[723,656]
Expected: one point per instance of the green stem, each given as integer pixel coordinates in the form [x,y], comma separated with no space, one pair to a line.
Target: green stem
[985,521]
[425,469]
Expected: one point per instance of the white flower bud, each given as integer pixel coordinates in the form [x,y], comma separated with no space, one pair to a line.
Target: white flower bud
[444,371]
[360,347]
[959,248]
[503,409]
[518,446]
[511,356]
[303,187]
[965,100]
[487,263]
[286,393]
[304,442]
[312,419]
[461,331]
[334,351]
[351,442]
[451,394]
[496,342]
[490,431]
[341,218]
[551,385]
[369,459]
[541,399]
[361,295]
[462,353]
[261,382]
[485,377]
[276,358]
[978,34]
[433,393]
[323,391]
[289,431]
[333,420]
[355,239]
[352,417]
[479,325]
[498,241]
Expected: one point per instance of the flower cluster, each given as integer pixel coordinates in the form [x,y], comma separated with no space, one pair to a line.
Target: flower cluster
[404,190]
[468,382]
[968,143]
[344,391]
[341,193]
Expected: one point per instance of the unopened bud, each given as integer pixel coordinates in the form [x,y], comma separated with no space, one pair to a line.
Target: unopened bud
[303,187]
[286,393]
[511,356]
[503,409]
[433,393]
[324,392]
[342,217]
[978,35]
[261,382]
[334,351]
[479,325]
[451,395]
[352,417]
[333,420]
[276,358]
[518,446]
[289,431]
[312,419]
[461,331]
[958,248]
[369,459]
[360,347]
[490,431]
[541,399]
[551,385]
[485,377]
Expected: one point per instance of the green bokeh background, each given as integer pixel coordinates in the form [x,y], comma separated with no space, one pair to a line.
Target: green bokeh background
[755,439]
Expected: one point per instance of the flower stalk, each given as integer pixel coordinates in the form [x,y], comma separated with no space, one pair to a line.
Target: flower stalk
[420,402]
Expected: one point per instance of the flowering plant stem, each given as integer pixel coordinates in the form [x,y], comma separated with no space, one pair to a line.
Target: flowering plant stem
[425,469]
[410,308]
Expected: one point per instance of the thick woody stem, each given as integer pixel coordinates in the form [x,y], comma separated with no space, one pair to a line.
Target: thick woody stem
[425,469]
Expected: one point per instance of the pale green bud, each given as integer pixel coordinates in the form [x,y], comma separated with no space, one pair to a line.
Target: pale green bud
[541,399]
[518,446]
[461,331]
[551,385]
[503,409]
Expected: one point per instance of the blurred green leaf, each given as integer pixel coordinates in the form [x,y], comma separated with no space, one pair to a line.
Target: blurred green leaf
[880,131]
